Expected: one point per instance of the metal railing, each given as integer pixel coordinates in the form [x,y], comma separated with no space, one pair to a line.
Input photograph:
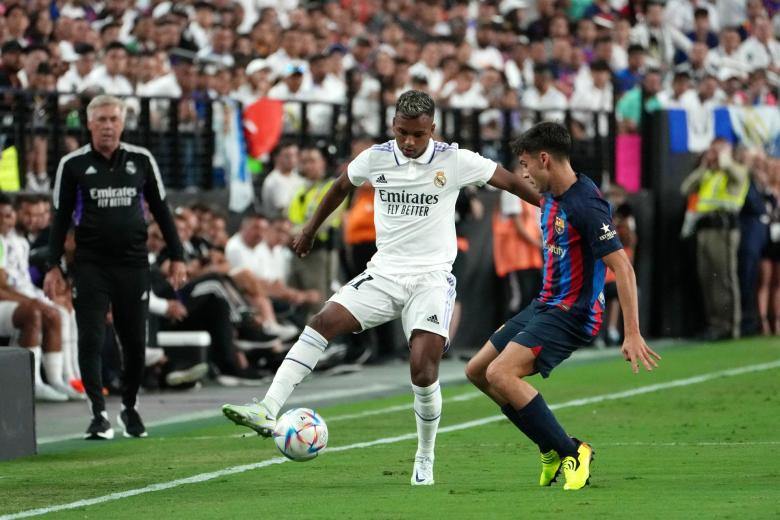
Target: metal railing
[185,149]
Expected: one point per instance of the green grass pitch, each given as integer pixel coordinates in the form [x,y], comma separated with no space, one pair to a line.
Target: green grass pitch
[707,448]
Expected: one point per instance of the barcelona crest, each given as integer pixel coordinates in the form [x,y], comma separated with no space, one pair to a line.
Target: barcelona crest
[559,225]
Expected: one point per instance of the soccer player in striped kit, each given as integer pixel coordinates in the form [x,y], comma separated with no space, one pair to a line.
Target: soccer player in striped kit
[579,244]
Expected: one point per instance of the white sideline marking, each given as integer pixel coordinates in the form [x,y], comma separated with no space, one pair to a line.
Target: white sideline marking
[203,477]
[578,356]
[209,414]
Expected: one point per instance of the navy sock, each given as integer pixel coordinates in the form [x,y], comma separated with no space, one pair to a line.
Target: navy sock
[537,412]
[527,427]
[547,429]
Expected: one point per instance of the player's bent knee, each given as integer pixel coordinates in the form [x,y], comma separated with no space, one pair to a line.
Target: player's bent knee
[495,373]
[475,372]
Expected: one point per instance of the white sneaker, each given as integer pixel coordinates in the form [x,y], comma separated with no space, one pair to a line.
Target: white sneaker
[284,331]
[422,475]
[71,394]
[44,392]
[189,375]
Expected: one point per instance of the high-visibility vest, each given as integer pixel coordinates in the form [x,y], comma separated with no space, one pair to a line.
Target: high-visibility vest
[715,195]
[306,200]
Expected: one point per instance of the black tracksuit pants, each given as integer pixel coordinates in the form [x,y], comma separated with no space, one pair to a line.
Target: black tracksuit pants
[126,290]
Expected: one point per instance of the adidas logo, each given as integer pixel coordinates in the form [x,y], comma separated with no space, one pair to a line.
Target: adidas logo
[381,179]
[433,319]
[90,171]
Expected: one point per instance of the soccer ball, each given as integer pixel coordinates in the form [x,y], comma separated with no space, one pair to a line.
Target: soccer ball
[300,434]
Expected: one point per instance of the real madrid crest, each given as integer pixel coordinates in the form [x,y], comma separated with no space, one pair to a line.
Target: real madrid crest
[559,225]
[440,179]
[130,168]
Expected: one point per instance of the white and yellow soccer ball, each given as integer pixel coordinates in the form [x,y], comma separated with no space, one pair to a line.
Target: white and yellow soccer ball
[300,434]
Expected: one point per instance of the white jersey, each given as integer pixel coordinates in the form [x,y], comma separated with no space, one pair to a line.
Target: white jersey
[17,265]
[414,202]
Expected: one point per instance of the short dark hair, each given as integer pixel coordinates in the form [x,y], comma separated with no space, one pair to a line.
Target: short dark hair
[115,45]
[253,215]
[547,136]
[635,48]
[414,103]
[5,200]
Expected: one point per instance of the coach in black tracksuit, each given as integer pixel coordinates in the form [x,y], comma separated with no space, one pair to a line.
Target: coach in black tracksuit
[101,188]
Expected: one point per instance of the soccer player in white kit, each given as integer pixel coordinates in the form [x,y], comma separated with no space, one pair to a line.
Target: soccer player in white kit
[416,182]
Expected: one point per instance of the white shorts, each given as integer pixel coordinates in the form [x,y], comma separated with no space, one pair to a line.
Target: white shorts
[6,318]
[423,301]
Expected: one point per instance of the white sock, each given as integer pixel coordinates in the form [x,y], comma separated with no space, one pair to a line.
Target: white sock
[52,364]
[427,412]
[37,354]
[67,369]
[299,362]
[73,345]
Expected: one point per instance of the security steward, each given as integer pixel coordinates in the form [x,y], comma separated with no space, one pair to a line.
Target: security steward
[721,185]
[314,270]
[101,188]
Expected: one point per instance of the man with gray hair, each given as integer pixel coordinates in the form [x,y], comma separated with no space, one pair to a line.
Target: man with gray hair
[101,189]
[416,181]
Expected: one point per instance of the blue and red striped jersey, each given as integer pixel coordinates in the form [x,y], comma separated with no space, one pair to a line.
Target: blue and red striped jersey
[577,230]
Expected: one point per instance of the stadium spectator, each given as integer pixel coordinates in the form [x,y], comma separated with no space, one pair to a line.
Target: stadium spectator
[313,271]
[757,91]
[642,97]
[283,181]
[702,27]
[12,62]
[754,235]
[761,50]
[629,77]
[680,94]
[258,74]
[464,91]
[16,23]
[624,223]
[591,102]
[41,85]
[722,185]
[543,101]
[726,54]
[219,52]
[769,278]
[517,252]
[110,78]
[659,39]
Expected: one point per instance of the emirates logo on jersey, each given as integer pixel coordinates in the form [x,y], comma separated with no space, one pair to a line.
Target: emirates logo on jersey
[439,179]
[559,224]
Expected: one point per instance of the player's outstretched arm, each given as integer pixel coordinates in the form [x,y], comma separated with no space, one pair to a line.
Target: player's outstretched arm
[332,200]
[634,347]
[514,183]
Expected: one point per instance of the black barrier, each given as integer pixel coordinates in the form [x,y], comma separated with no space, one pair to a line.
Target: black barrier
[674,287]
[185,149]
[17,403]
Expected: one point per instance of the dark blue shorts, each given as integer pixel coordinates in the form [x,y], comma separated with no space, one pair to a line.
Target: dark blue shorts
[551,333]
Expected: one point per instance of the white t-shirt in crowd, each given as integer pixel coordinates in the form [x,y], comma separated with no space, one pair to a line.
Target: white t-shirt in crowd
[241,256]
[414,203]
[275,262]
[278,191]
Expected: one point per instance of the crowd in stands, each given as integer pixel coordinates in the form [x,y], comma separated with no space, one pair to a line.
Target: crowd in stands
[548,56]
[554,59]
